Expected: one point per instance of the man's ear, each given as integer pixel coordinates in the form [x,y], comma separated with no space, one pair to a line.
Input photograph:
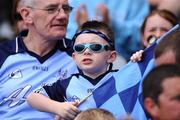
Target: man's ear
[151,107]
[112,57]
[25,13]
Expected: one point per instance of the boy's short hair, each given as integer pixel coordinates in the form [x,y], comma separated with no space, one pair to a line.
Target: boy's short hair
[97,25]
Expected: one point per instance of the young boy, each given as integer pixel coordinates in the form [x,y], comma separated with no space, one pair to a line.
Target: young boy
[93,53]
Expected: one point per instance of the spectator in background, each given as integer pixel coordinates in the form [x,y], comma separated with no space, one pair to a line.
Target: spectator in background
[168,50]
[19,24]
[161,93]
[153,4]
[125,17]
[171,5]
[157,23]
[95,114]
[6,31]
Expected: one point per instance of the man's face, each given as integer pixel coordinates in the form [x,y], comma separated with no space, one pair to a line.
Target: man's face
[169,100]
[167,57]
[49,19]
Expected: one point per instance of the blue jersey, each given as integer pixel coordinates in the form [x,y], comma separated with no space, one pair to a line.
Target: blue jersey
[22,71]
[104,94]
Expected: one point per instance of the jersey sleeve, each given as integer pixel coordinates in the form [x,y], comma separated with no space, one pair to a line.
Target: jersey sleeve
[55,91]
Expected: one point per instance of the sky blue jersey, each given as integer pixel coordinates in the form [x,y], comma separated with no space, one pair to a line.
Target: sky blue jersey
[125,98]
[22,71]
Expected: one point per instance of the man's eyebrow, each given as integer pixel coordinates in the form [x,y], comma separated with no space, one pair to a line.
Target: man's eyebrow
[52,6]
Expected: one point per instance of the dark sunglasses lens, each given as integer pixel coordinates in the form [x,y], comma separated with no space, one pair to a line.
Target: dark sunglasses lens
[96,47]
[79,48]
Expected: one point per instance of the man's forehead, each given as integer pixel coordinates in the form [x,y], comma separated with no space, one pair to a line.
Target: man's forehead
[49,2]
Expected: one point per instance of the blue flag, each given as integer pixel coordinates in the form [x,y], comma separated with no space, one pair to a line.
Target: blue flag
[120,92]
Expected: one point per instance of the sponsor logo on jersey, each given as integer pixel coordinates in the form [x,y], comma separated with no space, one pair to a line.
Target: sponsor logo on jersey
[62,74]
[16,74]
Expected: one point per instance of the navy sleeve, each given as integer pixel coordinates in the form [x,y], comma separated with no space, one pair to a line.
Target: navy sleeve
[57,91]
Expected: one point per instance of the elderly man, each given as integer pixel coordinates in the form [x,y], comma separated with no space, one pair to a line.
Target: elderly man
[41,57]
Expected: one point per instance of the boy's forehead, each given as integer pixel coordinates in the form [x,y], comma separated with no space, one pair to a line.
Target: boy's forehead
[99,34]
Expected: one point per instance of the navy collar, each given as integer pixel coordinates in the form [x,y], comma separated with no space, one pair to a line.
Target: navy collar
[64,45]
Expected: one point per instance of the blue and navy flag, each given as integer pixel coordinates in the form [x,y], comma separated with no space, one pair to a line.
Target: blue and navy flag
[121,92]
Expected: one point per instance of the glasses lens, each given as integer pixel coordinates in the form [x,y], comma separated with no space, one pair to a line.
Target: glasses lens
[96,47]
[79,48]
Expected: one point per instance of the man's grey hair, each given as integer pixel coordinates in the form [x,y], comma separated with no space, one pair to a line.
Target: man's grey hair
[27,2]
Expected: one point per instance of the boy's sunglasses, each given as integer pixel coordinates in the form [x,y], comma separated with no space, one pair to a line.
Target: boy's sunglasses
[94,47]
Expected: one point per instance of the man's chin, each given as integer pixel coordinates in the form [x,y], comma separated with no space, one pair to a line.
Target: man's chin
[60,35]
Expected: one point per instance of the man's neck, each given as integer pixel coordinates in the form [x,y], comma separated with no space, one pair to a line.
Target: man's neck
[39,46]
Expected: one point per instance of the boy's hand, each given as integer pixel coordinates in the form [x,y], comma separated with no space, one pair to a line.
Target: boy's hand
[136,57]
[66,111]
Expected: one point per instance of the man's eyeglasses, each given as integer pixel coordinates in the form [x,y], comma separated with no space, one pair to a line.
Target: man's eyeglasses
[52,10]
[94,47]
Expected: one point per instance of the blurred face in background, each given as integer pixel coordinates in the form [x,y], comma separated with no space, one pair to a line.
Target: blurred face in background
[155,26]
[19,23]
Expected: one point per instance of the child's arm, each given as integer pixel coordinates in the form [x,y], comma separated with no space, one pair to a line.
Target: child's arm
[43,103]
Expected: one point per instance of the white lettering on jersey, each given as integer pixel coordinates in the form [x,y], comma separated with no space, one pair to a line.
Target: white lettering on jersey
[17,97]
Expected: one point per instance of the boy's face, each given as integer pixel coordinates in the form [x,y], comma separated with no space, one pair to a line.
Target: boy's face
[93,63]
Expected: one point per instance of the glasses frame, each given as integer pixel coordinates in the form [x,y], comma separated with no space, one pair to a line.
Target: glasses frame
[90,46]
[55,10]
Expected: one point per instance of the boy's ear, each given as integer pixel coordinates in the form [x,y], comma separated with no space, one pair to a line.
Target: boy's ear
[151,107]
[25,13]
[112,57]
[73,56]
